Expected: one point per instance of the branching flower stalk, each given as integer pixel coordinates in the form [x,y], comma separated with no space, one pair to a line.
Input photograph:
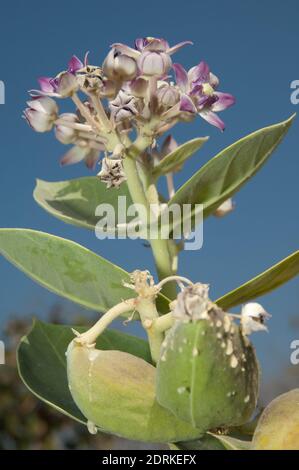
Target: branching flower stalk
[132,93]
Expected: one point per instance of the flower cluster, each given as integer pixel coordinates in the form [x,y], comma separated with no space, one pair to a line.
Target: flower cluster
[136,89]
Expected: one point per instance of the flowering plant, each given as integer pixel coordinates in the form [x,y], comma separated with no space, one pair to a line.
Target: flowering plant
[195,381]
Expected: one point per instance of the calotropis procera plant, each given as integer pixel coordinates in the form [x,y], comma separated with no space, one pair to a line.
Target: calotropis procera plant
[194,383]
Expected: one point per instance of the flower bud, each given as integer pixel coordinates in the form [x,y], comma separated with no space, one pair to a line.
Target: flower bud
[153,63]
[139,87]
[41,114]
[66,135]
[115,391]
[67,84]
[123,107]
[278,426]
[108,89]
[119,66]
[207,373]
[253,317]
[225,208]
[168,96]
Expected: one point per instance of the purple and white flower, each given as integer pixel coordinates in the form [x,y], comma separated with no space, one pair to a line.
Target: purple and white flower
[64,84]
[198,93]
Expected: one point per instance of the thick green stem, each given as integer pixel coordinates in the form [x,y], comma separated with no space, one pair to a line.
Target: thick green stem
[148,315]
[144,192]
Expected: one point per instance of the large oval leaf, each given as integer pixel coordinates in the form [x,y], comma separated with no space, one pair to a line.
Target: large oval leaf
[42,361]
[263,283]
[222,176]
[68,269]
[65,268]
[176,158]
[75,201]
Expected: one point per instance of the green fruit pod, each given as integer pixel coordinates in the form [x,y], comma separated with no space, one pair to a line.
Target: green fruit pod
[115,391]
[278,426]
[208,373]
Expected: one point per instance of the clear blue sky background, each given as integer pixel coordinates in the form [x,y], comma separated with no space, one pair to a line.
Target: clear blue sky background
[253,47]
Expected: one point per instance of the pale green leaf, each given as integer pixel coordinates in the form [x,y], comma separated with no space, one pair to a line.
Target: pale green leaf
[66,268]
[177,157]
[75,201]
[263,283]
[228,171]
[232,443]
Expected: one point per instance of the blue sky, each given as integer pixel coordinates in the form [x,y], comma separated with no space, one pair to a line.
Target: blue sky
[251,46]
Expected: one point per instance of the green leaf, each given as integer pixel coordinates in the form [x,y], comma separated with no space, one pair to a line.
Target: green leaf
[263,283]
[178,157]
[222,176]
[67,268]
[211,441]
[206,442]
[232,443]
[75,201]
[42,361]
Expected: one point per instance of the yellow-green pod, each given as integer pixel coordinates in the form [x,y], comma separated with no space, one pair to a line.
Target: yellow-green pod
[208,373]
[115,391]
[278,426]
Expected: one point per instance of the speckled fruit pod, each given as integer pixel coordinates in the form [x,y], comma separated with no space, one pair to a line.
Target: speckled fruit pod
[278,426]
[208,373]
[115,391]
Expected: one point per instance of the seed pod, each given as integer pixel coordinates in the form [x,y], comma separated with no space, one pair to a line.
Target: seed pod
[278,426]
[208,373]
[115,391]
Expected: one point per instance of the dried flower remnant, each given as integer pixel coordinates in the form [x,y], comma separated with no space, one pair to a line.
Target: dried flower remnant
[112,172]
[192,303]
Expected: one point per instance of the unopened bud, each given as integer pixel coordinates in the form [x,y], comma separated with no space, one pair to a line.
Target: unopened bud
[225,208]
[168,96]
[253,317]
[67,84]
[119,66]
[66,135]
[153,63]
[139,87]
[123,107]
[41,114]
